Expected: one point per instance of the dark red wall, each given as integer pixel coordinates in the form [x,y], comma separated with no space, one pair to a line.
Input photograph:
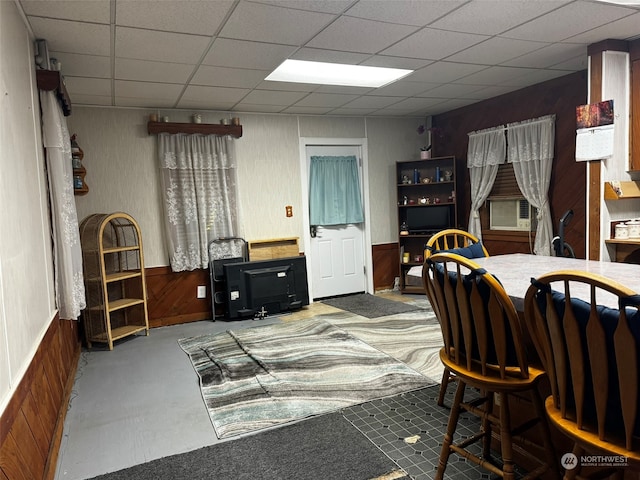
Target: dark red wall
[560,96]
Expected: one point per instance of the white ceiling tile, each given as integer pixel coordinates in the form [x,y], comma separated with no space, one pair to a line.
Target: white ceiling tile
[325,100]
[535,76]
[490,92]
[205,104]
[88,86]
[297,110]
[415,103]
[451,90]
[402,88]
[287,86]
[444,72]
[355,112]
[623,29]
[550,55]
[79,99]
[96,11]
[160,46]
[126,88]
[143,70]
[330,56]
[243,54]
[78,65]
[333,6]
[451,105]
[495,75]
[371,101]
[555,27]
[248,107]
[345,89]
[267,23]
[433,44]
[200,17]
[272,97]
[151,102]
[396,62]
[228,77]
[359,35]
[174,45]
[214,94]
[73,37]
[497,15]
[408,12]
[496,50]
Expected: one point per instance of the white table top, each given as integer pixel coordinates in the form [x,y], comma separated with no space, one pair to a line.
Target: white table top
[516,270]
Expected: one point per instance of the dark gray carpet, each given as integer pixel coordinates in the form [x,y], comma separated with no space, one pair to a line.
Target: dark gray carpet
[322,448]
[370,306]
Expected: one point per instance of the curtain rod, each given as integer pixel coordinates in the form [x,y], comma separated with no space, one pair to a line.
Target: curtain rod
[503,128]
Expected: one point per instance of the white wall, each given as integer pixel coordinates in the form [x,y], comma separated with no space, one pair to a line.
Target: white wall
[27,303]
[122,175]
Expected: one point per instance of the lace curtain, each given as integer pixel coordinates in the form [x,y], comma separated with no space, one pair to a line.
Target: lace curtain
[198,174]
[487,150]
[531,148]
[334,191]
[67,252]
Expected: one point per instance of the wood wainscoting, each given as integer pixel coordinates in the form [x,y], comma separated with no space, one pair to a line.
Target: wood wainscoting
[172,296]
[386,265]
[31,426]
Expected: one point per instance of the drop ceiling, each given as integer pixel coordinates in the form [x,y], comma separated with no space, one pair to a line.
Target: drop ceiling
[215,54]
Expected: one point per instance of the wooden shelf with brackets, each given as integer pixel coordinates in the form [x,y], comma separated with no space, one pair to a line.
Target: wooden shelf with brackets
[190,128]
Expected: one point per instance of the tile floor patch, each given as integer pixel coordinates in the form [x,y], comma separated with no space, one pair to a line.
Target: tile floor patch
[389,422]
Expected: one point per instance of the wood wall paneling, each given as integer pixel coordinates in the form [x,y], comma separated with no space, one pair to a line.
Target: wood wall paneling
[172,296]
[567,190]
[32,424]
[385,265]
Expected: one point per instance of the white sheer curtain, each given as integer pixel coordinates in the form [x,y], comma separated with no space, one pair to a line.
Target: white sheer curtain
[531,146]
[487,150]
[198,175]
[67,253]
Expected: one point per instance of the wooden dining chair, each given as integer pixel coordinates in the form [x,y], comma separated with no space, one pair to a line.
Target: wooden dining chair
[484,349]
[465,244]
[592,356]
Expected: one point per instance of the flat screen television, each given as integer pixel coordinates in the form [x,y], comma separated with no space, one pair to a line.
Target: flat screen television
[266,287]
[429,219]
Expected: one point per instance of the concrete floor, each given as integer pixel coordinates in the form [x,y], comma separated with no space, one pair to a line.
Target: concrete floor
[113,421]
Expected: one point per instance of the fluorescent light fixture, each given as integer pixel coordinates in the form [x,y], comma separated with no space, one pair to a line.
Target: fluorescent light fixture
[301,71]
[621,2]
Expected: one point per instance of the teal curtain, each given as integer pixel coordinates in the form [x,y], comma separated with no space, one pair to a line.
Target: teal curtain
[334,191]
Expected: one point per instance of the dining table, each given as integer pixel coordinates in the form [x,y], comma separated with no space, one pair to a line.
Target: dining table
[515,271]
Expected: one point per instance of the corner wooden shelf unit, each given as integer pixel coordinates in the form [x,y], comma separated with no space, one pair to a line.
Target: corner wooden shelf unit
[190,128]
[114,278]
[621,190]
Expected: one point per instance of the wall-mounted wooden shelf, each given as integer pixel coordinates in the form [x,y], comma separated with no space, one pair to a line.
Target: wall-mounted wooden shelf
[52,80]
[190,128]
[621,190]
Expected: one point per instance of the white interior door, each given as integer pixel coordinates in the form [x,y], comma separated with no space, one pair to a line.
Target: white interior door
[337,260]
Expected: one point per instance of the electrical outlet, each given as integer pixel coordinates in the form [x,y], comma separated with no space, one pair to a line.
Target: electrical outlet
[202,291]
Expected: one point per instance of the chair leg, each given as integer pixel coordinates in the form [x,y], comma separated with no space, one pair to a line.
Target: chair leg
[443,386]
[451,429]
[550,453]
[486,425]
[506,442]
[573,473]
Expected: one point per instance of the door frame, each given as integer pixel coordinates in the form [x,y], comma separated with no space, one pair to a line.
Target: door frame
[304,179]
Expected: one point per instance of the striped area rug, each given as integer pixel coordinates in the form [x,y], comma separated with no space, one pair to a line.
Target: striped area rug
[266,376]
